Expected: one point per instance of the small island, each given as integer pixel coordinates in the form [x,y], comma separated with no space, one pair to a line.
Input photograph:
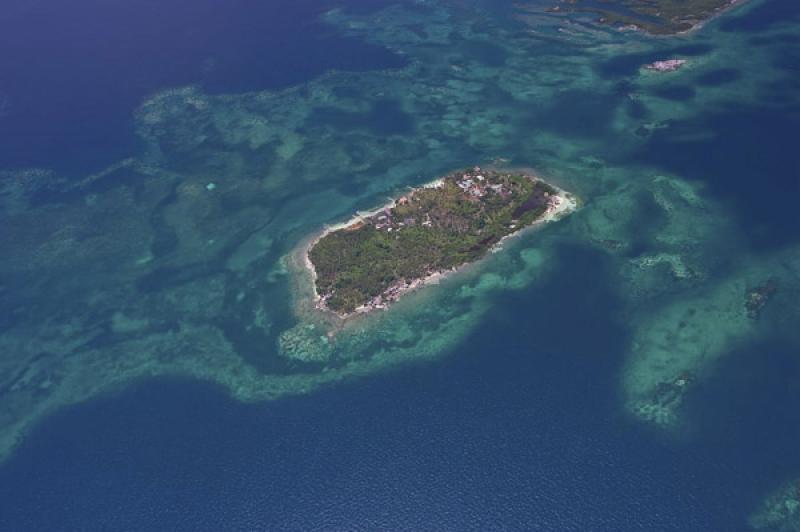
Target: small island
[370,261]
[669,65]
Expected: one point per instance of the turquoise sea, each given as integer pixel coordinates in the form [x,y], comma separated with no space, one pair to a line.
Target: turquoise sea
[634,366]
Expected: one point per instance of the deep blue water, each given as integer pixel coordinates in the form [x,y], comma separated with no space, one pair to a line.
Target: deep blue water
[751,154]
[72,73]
[520,428]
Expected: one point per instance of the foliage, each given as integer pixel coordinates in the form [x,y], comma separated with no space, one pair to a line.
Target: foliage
[432,229]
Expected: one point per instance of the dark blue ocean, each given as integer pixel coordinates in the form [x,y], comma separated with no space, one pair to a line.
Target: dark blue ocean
[518,427]
[79,69]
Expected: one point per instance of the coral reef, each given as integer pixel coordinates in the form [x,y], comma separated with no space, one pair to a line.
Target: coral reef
[758,297]
[780,511]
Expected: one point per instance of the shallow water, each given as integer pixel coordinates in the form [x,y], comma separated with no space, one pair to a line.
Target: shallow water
[600,373]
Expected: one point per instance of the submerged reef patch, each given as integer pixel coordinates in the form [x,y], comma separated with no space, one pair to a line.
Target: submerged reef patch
[780,510]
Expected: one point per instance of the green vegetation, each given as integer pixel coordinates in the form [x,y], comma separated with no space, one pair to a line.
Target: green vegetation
[430,230]
[653,16]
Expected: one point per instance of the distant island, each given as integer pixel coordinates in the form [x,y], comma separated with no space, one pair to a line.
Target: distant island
[370,261]
[658,17]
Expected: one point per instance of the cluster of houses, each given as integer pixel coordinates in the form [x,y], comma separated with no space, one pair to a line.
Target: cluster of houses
[473,183]
[477,186]
[391,294]
[385,220]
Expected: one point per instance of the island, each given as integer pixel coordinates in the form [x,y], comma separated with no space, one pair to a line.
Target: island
[657,17]
[373,259]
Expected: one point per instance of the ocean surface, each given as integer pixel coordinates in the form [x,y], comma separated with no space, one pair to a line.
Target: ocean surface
[517,429]
[169,307]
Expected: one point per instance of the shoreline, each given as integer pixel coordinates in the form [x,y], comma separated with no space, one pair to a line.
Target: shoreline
[700,24]
[565,204]
[721,11]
